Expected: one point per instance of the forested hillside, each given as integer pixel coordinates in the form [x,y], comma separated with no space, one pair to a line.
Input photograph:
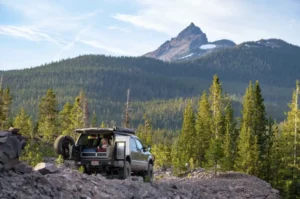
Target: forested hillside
[105,79]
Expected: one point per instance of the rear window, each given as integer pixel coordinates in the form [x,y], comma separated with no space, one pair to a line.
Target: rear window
[90,140]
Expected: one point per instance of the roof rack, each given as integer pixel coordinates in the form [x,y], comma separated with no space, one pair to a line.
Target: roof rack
[125,130]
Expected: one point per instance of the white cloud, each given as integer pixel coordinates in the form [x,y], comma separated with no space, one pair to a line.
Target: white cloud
[28,33]
[122,29]
[231,19]
[108,48]
[140,21]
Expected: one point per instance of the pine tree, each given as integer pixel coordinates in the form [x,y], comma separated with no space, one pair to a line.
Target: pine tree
[2,115]
[85,110]
[247,160]
[6,102]
[275,156]
[215,153]
[103,125]
[186,142]
[291,146]
[94,119]
[78,112]
[65,120]
[48,114]
[203,128]
[148,131]
[229,141]
[24,123]
[216,100]
[178,165]
[259,124]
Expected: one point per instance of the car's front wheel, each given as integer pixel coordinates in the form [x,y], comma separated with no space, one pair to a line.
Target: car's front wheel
[149,175]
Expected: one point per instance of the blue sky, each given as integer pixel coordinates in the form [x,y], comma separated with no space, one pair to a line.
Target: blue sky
[36,32]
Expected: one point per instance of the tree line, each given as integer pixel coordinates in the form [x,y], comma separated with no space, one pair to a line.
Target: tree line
[211,137]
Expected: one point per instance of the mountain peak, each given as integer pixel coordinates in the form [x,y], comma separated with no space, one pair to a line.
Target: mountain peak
[190,30]
[189,44]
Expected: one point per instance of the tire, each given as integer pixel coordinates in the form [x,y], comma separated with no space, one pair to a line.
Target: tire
[149,175]
[127,170]
[61,145]
[10,150]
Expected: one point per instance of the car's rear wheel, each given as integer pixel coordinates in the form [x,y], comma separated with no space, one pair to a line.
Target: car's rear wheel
[127,170]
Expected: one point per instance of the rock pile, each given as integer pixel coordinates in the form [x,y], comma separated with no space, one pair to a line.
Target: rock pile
[69,183]
[45,181]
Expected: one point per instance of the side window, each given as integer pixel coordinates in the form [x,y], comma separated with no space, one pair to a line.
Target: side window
[139,144]
[132,144]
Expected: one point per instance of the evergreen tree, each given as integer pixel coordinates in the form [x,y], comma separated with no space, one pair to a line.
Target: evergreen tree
[216,100]
[291,146]
[24,123]
[48,115]
[247,160]
[203,128]
[66,126]
[94,119]
[215,152]
[229,141]
[275,154]
[148,131]
[259,124]
[103,125]
[78,116]
[6,102]
[186,142]
[178,165]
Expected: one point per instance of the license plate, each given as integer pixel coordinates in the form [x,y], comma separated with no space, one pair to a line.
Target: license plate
[95,163]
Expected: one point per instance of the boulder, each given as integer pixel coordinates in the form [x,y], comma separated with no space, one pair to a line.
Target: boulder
[22,168]
[46,168]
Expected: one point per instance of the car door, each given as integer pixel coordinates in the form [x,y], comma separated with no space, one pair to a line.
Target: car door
[134,154]
[142,155]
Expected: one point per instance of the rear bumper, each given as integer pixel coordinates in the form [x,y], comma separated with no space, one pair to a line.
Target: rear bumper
[99,165]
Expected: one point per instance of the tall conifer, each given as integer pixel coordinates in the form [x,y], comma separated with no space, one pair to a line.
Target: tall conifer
[203,128]
[48,115]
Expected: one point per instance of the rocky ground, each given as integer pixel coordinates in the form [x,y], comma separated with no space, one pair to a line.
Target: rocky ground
[65,182]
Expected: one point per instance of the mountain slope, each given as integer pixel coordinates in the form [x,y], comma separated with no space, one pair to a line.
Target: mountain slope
[106,79]
[190,43]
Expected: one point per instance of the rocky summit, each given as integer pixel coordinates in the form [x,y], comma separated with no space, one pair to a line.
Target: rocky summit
[190,43]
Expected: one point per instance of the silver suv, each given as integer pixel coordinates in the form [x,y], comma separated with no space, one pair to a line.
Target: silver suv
[122,156]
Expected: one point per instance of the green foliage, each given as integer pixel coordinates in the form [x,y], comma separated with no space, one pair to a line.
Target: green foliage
[94,119]
[145,132]
[24,123]
[186,143]
[66,126]
[247,160]
[32,154]
[162,155]
[5,102]
[59,160]
[81,169]
[203,128]
[214,153]
[48,115]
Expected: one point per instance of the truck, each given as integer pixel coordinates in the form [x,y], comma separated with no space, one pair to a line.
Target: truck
[112,152]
